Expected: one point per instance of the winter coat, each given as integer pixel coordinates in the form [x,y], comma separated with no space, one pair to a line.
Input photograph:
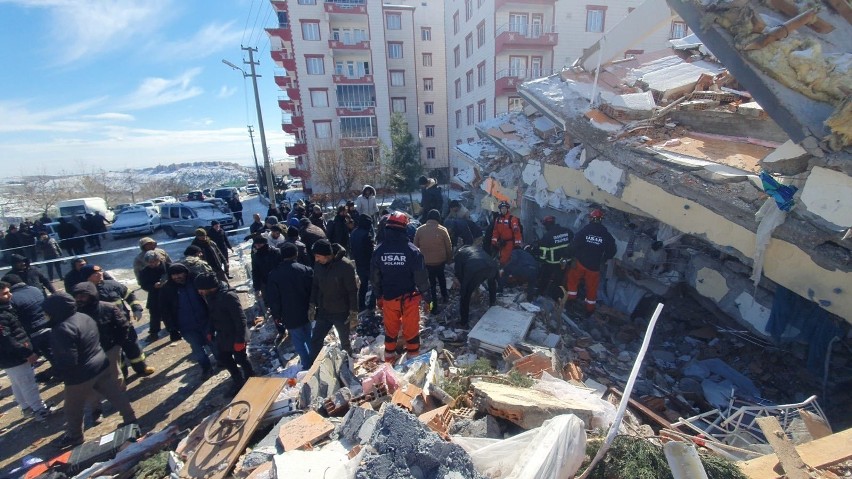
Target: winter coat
[471,260]
[183,309]
[522,266]
[302,255]
[335,285]
[27,301]
[220,239]
[459,231]
[15,346]
[433,240]
[338,231]
[69,235]
[288,293]
[397,267]
[431,198]
[212,255]
[227,318]
[310,234]
[49,248]
[150,276]
[593,245]
[75,277]
[74,341]
[114,329]
[367,206]
[139,261]
[362,243]
[462,213]
[263,260]
[118,294]
[318,221]
[555,244]
[31,275]
[256,227]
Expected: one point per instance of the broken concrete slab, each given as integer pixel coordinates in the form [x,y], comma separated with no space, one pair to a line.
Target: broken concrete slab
[304,431]
[499,327]
[527,408]
[352,423]
[484,427]
[323,378]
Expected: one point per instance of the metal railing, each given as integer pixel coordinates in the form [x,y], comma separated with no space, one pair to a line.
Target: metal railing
[356,105]
[526,30]
[525,73]
[347,3]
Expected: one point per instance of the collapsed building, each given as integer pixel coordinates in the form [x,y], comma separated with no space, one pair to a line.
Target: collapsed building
[723,162]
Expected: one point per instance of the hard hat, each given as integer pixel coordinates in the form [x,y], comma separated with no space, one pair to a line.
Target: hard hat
[596,214]
[397,220]
[504,204]
[548,220]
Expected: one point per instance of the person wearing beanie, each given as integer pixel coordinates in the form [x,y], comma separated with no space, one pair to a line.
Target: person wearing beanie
[434,242]
[317,219]
[431,197]
[362,242]
[27,301]
[288,296]
[31,274]
[220,238]
[270,221]
[125,300]
[211,253]
[194,260]
[146,244]
[152,277]
[82,365]
[334,294]
[293,238]
[77,276]
[338,228]
[230,328]
[17,356]
[185,314]
[310,234]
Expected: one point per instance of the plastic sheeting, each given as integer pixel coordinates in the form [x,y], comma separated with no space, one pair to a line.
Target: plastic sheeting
[603,412]
[772,217]
[554,450]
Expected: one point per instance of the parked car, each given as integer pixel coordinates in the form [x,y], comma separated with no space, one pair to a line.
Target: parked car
[207,191]
[226,193]
[196,195]
[252,190]
[220,203]
[120,207]
[184,218]
[146,203]
[296,183]
[164,199]
[135,220]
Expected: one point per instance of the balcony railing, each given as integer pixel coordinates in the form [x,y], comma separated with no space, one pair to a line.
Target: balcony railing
[525,30]
[356,105]
[343,79]
[346,6]
[525,73]
[347,3]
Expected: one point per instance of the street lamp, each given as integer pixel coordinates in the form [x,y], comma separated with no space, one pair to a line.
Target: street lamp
[270,180]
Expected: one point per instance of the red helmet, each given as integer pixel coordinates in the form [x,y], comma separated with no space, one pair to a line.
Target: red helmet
[548,220]
[397,220]
[596,214]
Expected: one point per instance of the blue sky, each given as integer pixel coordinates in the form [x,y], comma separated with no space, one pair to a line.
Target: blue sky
[110,84]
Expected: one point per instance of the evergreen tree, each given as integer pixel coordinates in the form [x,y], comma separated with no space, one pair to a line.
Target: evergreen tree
[404,156]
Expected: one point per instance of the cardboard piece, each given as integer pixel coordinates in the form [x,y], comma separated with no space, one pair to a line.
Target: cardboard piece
[499,327]
[304,431]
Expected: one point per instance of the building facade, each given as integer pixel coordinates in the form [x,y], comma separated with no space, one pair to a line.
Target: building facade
[345,66]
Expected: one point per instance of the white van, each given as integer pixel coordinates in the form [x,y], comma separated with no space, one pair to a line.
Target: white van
[81,206]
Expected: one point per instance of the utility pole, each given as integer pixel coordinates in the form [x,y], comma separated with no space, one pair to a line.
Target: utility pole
[254,152]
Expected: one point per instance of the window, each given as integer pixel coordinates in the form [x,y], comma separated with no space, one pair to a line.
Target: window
[429,108]
[397,77]
[426,34]
[480,34]
[468,9]
[393,21]
[427,84]
[349,36]
[427,59]
[356,97]
[394,49]
[480,74]
[398,105]
[351,69]
[468,45]
[595,18]
[430,153]
[358,127]
[307,2]
[456,23]
[457,55]
[470,114]
[678,30]
[322,129]
[315,65]
[468,77]
[480,106]
[458,118]
[319,97]
[458,88]
[310,30]
[515,103]
[430,131]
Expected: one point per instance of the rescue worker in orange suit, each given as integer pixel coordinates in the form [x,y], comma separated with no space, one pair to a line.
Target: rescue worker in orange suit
[507,233]
[554,253]
[592,246]
[400,282]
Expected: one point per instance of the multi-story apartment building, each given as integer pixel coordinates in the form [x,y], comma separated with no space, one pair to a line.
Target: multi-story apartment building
[346,65]
[492,46]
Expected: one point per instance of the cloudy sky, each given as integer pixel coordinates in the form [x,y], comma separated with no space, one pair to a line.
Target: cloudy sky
[111,84]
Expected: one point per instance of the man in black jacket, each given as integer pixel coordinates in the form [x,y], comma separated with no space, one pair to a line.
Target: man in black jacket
[431,197]
[31,274]
[211,253]
[27,301]
[220,238]
[338,228]
[152,277]
[310,234]
[293,238]
[554,252]
[185,313]
[76,275]
[82,365]
[264,259]
[473,266]
[334,293]
[592,247]
[288,296]
[17,357]
[114,329]
[362,243]
[230,330]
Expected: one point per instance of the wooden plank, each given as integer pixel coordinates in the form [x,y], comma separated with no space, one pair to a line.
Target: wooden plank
[818,454]
[816,426]
[647,413]
[791,10]
[793,465]
[214,461]
[304,430]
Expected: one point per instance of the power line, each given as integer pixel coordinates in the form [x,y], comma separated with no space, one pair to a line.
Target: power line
[256,17]
[265,22]
[248,17]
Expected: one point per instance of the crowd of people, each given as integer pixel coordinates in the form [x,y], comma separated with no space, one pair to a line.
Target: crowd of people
[310,275]
[32,239]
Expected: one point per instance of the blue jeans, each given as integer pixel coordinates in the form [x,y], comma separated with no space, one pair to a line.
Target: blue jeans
[197,340]
[301,338]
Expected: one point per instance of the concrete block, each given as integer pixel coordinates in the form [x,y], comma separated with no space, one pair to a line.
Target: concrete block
[352,422]
[499,327]
[486,427]
[527,408]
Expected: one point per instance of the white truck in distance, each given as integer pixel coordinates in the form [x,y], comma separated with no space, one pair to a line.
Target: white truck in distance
[81,206]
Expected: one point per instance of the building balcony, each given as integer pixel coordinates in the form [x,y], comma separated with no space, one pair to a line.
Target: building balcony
[283,80]
[300,173]
[346,7]
[283,32]
[513,36]
[288,104]
[501,3]
[279,5]
[359,142]
[293,93]
[294,119]
[287,60]
[509,79]
[363,45]
[367,108]
[339,79]
[298,148]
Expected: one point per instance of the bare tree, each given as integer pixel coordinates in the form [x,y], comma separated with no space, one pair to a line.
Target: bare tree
[339,169]
[99,184]
[41,193]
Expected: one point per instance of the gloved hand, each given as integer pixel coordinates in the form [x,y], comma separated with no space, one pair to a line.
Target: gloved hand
[239,347]
[312,312]
[137,314]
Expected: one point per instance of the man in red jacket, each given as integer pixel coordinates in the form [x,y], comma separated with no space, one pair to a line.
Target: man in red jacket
[507,233]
